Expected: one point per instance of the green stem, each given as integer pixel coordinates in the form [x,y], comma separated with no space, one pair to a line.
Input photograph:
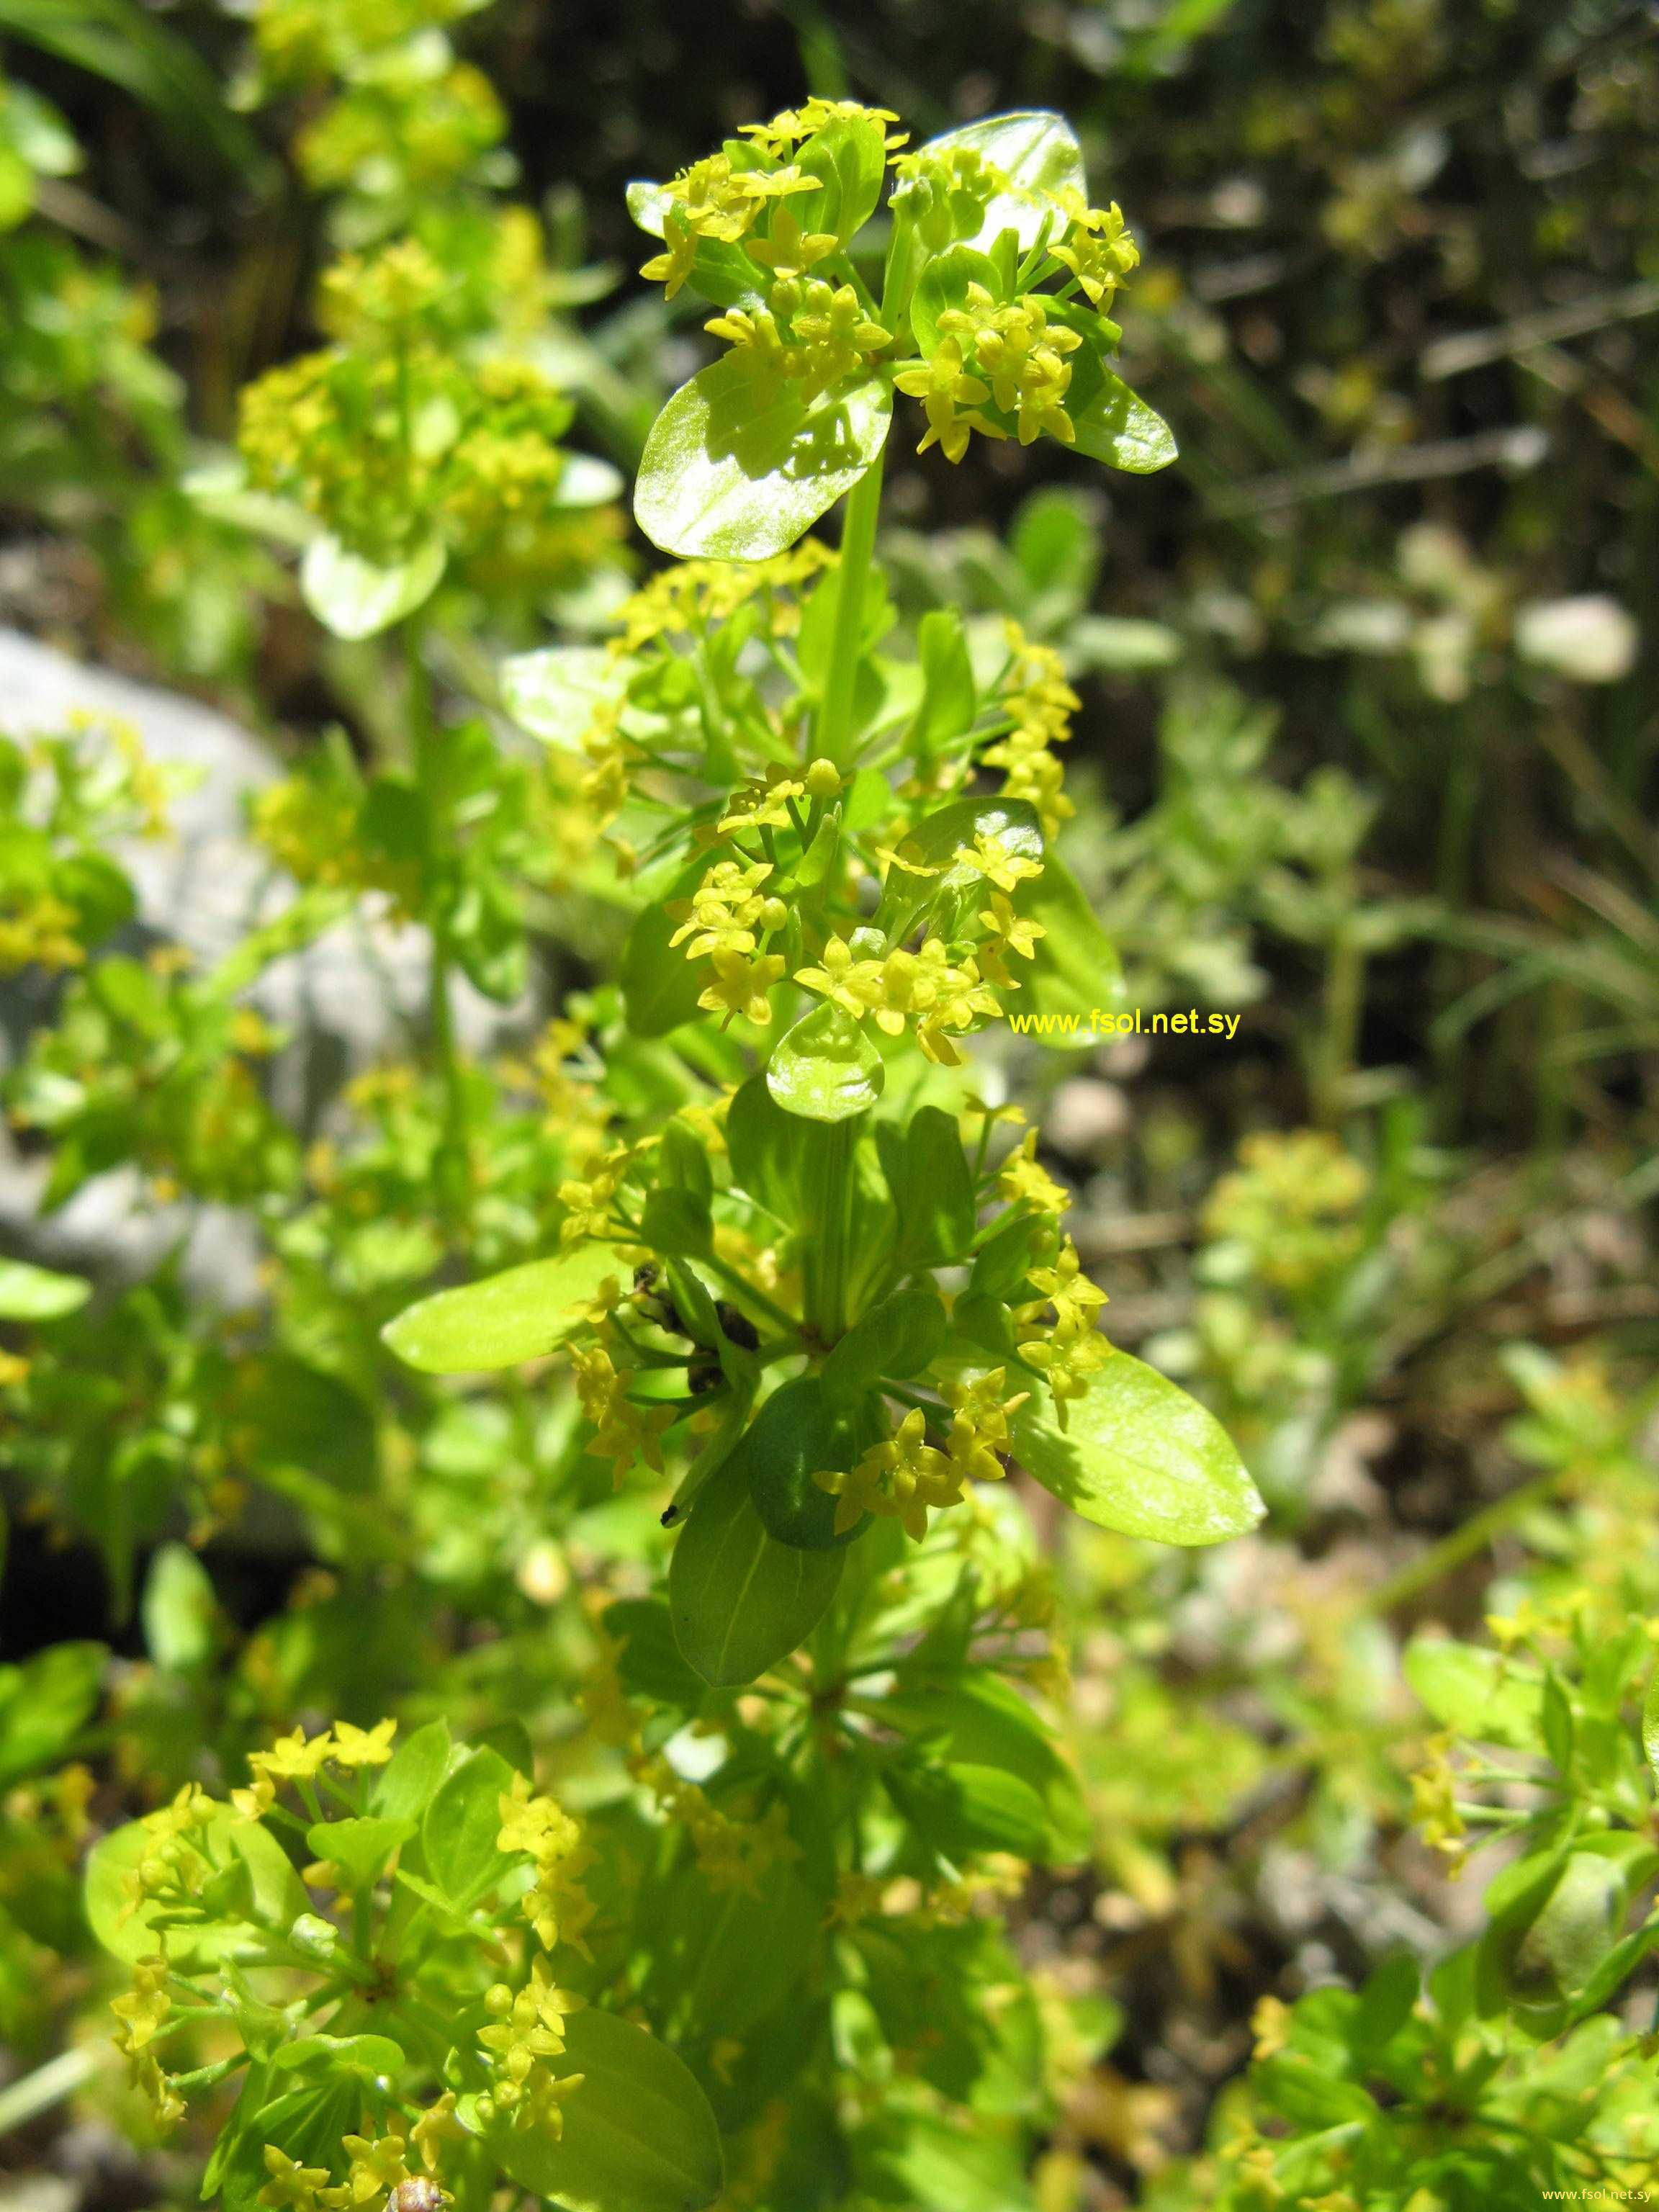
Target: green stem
[827,1192]
[858,542]
[453,1178]
[26,2099]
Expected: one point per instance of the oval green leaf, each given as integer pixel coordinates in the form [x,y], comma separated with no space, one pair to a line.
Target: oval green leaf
[31,1294]
[1117,426]
[797,1432]
[553,694]
[825,1069]
[1037,152]
[741,1601]
[504,1320]
[724,478]
[355,598]
[638,2134]
[1139,1455]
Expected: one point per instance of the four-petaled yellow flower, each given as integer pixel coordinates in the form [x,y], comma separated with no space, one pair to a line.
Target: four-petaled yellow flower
[945,388]
[898,1479]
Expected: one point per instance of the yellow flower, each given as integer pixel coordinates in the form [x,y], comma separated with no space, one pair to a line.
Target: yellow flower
[784,251]
[291,1759]
[378,2165]
[1098,248]
[898,1479]
[142,2010]
[740,985]
[355,1746]
[1075,1300]
[1025,1179]
[846,980]
[945,387]
[1066,1365]
[624,1433]
[754,333]
[436,2125]
[993,860]
[978,1427]
[291,2184]
[1008,933]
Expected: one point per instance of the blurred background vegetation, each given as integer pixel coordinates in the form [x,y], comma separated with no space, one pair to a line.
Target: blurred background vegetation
[1369,752]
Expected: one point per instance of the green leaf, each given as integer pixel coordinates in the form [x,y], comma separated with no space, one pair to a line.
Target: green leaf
[850,154]
[257,1887]
[648,1661]
[179,1611]
[659,986]
[355,598]
[933,1189]
[741,1601]
[798,1431]
[504,1320]
[555,694]
[359,1848]
[1116,427]
[976,1718]
[895,1340]
[458,1836]
[365,2055]
[1038,153]
[944,285]
[963,1809]
[949,696]
[411,1775]
[1651,1725]
[638,2135]
[825,1068]
[676,1223]
[44,1706]
[724,478]
[1482,1694]
[1076,971]
[1139,1455]
[30,1293]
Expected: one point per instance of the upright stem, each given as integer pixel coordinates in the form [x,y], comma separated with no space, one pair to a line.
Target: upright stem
[453,1177]
[858,542]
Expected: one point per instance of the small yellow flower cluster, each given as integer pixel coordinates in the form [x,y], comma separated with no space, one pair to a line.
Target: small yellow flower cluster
[387,440]
[142,2013]
[173,1863]
[309,825]
[900,986]
[786,131]
[440,137]
[763,804]
[1068,1350]
[1098,246]
[1024,1179]
[811,333]
[717,200]
[624,1433]
[1290,1203]
[979,1433]
[1006,931]
[297,1758]
[556,1905]
[736,1851]
[898,1479]
[1040,704]
[1434,1804]
[38,931]
[694,594]
[721,919]
[587,1200]
[528,2029]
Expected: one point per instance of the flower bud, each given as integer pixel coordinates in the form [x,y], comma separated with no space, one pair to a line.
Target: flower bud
[822,779]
